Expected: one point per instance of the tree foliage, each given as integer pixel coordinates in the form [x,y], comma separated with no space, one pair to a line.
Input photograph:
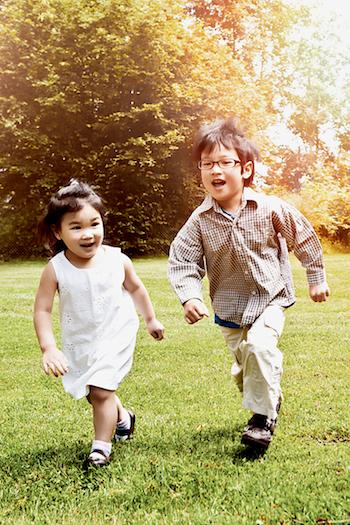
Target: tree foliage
[111,91]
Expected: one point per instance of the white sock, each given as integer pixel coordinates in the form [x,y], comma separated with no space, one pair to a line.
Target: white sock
[125,424]
[102,445]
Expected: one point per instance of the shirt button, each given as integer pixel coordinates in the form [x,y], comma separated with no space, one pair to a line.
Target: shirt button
[253,292]
[246,272]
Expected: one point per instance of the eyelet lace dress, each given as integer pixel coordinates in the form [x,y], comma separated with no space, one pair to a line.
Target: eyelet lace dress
[99,322]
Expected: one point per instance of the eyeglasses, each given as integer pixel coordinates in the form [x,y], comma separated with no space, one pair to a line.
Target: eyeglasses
[222,163]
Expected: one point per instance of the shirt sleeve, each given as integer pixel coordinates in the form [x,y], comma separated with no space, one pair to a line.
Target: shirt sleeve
[301,238]
[186,267]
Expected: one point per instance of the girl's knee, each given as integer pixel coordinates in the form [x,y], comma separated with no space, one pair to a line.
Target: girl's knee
[99,395]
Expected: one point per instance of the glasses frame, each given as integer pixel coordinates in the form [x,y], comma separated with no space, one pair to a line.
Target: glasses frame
[218,162]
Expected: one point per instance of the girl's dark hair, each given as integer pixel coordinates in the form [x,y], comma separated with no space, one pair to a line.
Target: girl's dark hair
[67,199]
[227,133]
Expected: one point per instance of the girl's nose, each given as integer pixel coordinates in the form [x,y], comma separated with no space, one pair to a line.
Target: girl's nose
[87,234]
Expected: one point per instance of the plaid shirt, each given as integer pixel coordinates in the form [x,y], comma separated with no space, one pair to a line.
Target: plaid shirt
[245,256]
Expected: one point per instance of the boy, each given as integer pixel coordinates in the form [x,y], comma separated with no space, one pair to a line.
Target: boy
[241,239]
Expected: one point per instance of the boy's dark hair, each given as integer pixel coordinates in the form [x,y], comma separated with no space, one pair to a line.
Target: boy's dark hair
[67,199]
[227,133]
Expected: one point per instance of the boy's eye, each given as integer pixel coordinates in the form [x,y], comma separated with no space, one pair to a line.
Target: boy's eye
[206,163]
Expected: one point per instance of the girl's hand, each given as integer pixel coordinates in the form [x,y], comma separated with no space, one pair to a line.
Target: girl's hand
[156,329]
[54,361]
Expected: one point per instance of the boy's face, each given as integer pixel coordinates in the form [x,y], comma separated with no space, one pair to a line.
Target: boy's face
[224,182]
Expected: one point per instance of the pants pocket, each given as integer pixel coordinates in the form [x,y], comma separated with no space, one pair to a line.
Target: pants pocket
[274,318]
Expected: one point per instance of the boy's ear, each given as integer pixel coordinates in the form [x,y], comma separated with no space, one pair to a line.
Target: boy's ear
[247,170]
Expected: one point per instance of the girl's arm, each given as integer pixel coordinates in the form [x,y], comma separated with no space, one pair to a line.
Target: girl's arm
[139,294]
[53,360]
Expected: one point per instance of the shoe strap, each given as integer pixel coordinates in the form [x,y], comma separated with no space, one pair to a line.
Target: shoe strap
[98,451]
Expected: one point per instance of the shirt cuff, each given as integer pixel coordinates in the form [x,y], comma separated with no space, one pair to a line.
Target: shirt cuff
[193,297]
[318,277]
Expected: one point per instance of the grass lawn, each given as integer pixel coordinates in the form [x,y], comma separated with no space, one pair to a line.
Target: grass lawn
[186,464]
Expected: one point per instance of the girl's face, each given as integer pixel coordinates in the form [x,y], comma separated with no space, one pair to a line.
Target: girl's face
[82,233]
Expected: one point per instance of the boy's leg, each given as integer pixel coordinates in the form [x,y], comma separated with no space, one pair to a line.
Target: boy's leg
[234,338]
[262,363]
[257,369]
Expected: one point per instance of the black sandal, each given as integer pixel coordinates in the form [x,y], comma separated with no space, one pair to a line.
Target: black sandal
[122,434]
[97,458]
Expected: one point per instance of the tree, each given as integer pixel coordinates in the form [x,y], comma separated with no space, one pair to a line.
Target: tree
[110,92]
[288,169]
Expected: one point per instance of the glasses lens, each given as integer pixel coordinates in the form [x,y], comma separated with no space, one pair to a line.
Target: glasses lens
[223,163]
[205,164]
[227,163]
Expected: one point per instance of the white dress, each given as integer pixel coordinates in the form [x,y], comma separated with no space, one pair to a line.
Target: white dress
[99,322]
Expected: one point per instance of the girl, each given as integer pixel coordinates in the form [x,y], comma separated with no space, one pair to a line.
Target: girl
[97,316]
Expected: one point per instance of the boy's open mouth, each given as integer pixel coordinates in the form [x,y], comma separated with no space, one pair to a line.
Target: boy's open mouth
[218,182]
[87,245]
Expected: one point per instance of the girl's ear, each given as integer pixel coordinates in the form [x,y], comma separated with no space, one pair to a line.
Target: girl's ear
[247,170]
[56,232]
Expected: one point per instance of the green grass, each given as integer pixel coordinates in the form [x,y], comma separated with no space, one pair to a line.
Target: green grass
[185,464]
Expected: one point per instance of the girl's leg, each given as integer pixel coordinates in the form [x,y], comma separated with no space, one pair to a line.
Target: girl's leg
[126,422]
[121,411]
[105,415]
[110,419]
[105,418]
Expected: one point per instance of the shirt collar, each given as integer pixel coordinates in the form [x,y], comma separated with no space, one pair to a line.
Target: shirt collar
[248,195]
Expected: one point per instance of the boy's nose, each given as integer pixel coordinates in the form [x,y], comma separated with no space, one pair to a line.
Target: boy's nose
[216,168]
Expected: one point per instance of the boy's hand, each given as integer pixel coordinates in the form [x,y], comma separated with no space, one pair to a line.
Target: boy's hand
[54,361]
[319,292]
[195,310]
[156,329]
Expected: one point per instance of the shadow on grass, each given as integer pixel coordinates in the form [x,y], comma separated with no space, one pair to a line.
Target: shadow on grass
[55,467]
[68,456]
[59,462]
[232,437]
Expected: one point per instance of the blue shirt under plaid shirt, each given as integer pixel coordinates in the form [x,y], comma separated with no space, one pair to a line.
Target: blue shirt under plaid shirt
[245,256]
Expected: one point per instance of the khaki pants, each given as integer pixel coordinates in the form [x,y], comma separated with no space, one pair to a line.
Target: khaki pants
[257,367]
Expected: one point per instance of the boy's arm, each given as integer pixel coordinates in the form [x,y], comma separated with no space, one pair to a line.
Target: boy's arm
[53,360]
[135,287]
[186,262]
[186,270]
[303,241]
